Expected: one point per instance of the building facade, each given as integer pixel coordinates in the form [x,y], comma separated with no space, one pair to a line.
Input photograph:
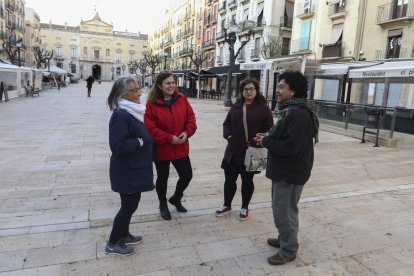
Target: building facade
[32,35]
[12,30]
[93,48]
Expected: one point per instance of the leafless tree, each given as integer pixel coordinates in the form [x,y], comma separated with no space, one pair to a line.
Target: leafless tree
[153,60]
[272,47]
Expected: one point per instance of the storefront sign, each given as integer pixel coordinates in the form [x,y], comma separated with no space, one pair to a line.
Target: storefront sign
[256,66]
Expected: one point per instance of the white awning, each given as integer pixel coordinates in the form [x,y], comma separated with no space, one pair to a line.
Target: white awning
[55,69]
[259,9]
[282,64]
[333,2]
[336,33]
[245,14]
[390,69]
[339,69]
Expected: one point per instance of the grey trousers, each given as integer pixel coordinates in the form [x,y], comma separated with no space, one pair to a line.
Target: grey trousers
[285,198]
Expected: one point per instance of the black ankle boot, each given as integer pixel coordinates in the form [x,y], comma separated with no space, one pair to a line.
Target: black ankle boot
[165,213]
[177,204]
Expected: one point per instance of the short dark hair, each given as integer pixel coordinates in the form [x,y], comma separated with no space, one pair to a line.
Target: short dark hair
[259,97]
[297,83]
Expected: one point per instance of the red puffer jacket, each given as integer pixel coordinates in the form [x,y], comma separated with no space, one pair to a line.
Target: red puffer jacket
[163,122]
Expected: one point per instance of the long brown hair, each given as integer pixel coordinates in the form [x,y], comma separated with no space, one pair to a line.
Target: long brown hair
[156,92]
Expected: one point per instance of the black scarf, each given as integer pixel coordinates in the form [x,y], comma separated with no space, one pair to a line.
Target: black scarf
[295,103]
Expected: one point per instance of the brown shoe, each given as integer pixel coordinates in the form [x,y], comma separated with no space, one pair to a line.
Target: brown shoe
[273,242]
[279,260]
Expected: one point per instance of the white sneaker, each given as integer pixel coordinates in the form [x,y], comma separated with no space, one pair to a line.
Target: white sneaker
[244,214]
[222,211]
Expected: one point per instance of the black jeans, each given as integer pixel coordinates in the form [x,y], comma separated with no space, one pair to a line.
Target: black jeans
[230,186]
[129,204]
[185,174]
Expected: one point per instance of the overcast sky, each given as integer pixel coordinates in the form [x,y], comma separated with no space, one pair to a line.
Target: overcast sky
[133,15]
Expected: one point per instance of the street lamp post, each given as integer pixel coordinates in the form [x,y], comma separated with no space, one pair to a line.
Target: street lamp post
[112,70]
[18,45]
[165,60]
[81,68]
[230,39]
[123,69]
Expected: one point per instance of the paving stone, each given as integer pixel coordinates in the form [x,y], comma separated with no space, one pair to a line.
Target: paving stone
[220,267]
[51,270]
[12,260]
[225,249]
[60,254]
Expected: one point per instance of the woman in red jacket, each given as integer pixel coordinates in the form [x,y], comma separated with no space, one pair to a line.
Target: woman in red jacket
[171,121]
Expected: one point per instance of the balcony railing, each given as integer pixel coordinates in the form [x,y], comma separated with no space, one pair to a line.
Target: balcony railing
[386,54]
[232,4]
[209,43]
[332,51]
[219,60]
[220,36]
[222,7]
[301,45]
[394,12]
[241,57]
[305,9]
[286,22]
[255,54]
[185,52]
[336,9]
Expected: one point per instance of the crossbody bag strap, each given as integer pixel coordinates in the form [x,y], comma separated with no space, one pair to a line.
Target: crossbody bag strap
[246,131]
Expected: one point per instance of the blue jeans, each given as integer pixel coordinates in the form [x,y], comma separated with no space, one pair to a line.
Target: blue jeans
[285,198]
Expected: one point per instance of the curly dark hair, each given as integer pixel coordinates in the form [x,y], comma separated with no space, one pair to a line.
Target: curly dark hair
[259,97]
[297,83]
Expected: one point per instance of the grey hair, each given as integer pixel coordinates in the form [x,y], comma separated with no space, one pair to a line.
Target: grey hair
[119,89]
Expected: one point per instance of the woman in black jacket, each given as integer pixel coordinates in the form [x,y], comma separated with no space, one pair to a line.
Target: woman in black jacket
[131,161]
[259,119]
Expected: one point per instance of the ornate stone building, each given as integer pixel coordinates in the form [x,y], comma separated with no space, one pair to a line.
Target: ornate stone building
[93,48]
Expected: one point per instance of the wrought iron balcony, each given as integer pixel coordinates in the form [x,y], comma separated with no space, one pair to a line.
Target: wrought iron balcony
[255,54]
[332,51]
[305,9]
[232,4]
[185,52]
[219,60]
[241,57]
[220,36]
[301,45]
[286,22]
[393,12]
[209,43]
[386,53]
[222,7]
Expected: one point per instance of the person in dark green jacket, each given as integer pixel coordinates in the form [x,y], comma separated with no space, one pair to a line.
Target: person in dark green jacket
[289,161]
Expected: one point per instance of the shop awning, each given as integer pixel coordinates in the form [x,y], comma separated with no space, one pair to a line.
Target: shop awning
[339,69]
[390,69]
[294,63]
[336,33]
[259,9]
[222,70]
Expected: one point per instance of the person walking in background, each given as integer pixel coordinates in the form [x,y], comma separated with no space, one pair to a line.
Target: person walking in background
[130,169]
[259,118]
[171,122]
[1,91]
[89,81]
[289,161]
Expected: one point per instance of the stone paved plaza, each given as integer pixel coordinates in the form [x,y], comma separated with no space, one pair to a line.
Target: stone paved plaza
[56,211]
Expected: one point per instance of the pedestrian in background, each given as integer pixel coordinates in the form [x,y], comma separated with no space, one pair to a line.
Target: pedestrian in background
[290,161]
[131,160]
[259,118]
[171,122]
[89,81]
[1,91]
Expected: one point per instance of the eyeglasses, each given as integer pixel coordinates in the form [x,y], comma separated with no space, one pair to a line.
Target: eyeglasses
[249,89]
[134,90]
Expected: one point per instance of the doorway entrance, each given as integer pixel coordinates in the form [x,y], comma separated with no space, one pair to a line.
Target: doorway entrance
[96,72]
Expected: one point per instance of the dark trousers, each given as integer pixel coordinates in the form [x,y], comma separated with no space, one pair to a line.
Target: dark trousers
[230,187]
[185,174]
[129,204]
[89,90]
